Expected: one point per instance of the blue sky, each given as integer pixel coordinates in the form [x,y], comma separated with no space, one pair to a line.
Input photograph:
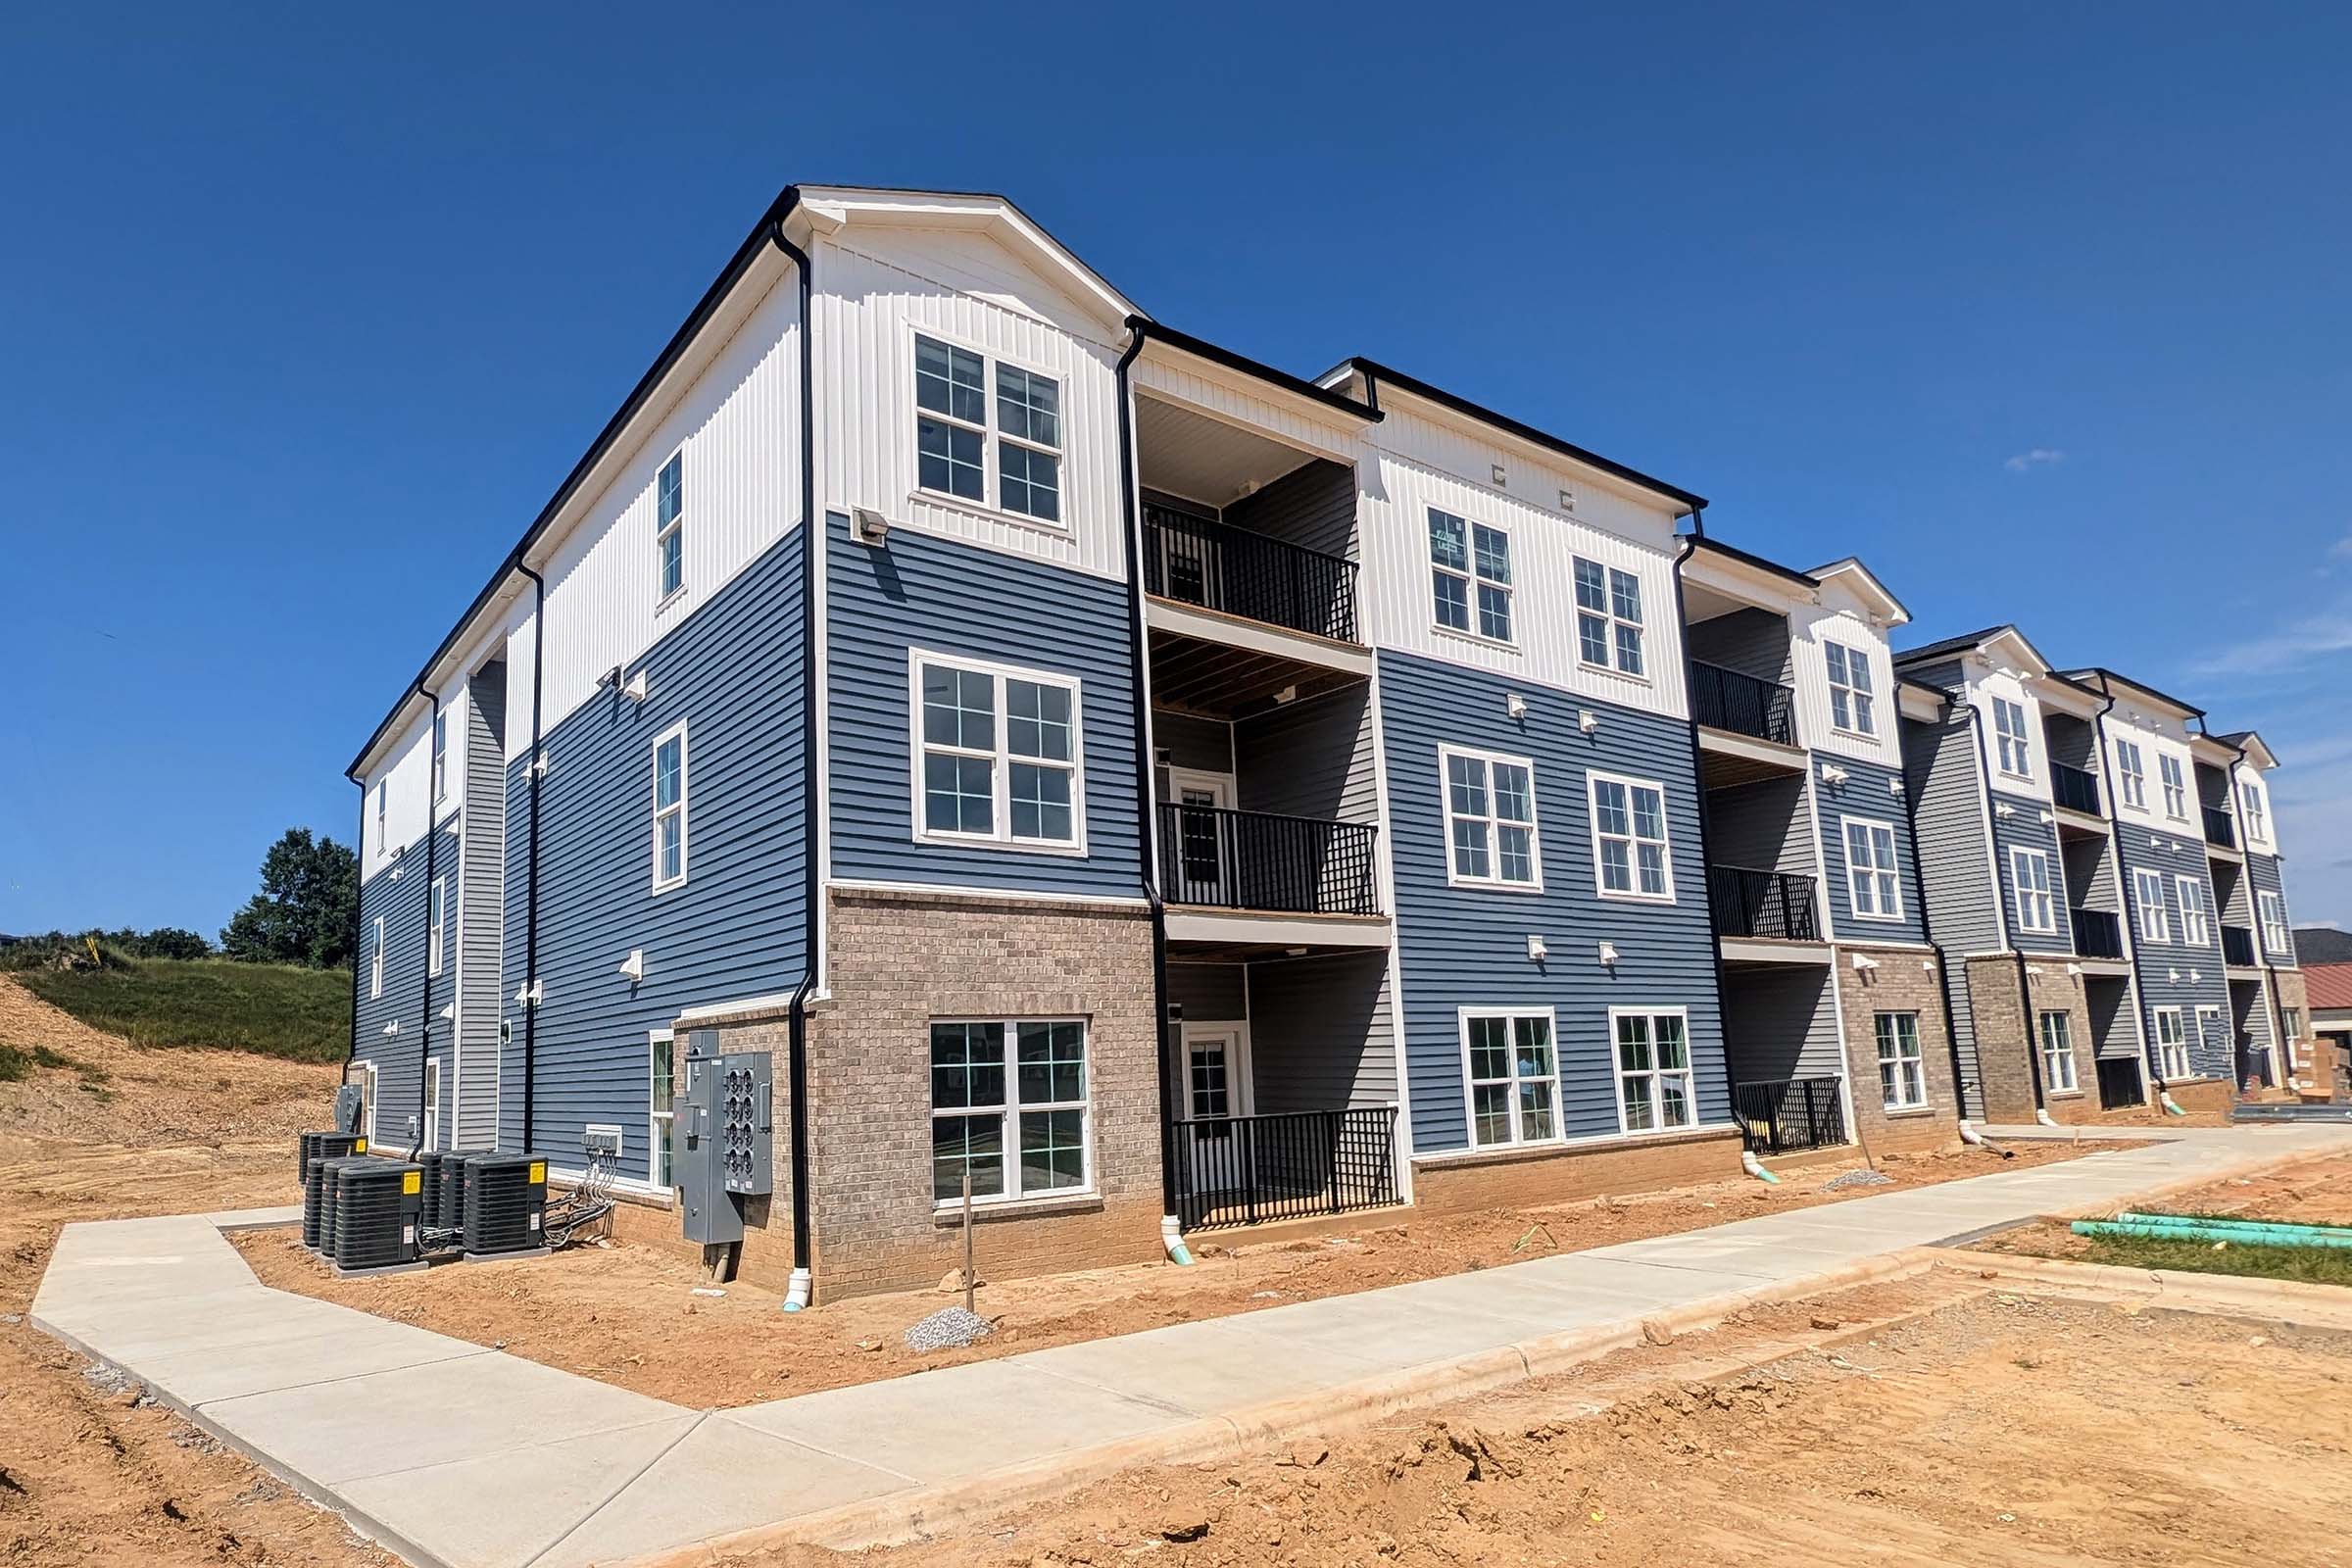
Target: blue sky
[2039,309]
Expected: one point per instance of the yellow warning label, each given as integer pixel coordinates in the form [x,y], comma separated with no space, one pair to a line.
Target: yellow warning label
[359,1146]
[412,1182]
[538,1170]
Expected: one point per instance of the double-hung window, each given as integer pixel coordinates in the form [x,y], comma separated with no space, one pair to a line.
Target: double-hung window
[1470,575]
[383,838]
[2009,736]
[375,964]
[1491,820]
[1871,870]
[1902,1069]
[669,808]
[2172,1045]
[2058,1055]
[1019,1127]
[2176,786]
[1631,856]
[2132,772]
[1653,1069]
[2197,925]
[1851,707]
[670,527]
[958,426]
[2275,934]
[441,755]
[2147,891]
[662,1121]
[1514,1079]
[1608,617]
[2249,794]
[436,941]
[2036,897]
[995,755]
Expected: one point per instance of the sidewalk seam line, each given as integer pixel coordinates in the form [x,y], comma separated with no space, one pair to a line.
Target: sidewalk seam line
[635,1476]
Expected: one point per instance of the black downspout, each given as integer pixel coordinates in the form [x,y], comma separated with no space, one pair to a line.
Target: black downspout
[2000,909]
[531,915]
[1926,928]
[432,833]
[1723,1011]
[813,539]
[1147,862]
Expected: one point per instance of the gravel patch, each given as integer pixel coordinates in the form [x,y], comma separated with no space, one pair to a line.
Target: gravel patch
[1864,1177]
[950,1328]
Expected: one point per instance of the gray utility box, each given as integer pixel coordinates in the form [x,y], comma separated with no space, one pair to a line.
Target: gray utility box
[726,1148]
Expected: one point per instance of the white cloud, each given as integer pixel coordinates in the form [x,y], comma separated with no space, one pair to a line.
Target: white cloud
[2034,458]
[2303,642]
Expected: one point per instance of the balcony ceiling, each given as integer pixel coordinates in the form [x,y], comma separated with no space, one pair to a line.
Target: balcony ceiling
[1219,680]
[1205,459]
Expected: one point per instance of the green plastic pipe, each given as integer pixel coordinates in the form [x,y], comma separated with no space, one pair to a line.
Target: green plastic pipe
[2243,1233]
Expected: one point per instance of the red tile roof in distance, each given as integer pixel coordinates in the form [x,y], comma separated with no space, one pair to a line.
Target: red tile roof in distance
[2329,985]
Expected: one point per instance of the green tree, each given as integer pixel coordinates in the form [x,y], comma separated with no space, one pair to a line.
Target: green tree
[307,911]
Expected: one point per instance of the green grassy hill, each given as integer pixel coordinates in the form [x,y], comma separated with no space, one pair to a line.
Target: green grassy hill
[275,1010]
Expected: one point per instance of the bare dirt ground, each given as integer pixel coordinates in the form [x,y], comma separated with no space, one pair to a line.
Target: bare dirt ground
[88,1475]
[2313,1192]
[1991,1427]
[626,1314]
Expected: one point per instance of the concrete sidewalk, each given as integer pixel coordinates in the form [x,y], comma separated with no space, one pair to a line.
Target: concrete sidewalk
[464,1457]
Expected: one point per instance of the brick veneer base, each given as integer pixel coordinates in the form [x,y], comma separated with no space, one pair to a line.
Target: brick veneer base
[1902,982]
[2008,1029]
[1526,1177]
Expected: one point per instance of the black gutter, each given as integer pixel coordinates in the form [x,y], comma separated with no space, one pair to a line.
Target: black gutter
[432,834]
[2109,679]
[1698,783]
[531,918]
[1919,892]
[2000,909]
[813,538]
[1745,558]
[1145,823]
[1145,326]
[1528,432]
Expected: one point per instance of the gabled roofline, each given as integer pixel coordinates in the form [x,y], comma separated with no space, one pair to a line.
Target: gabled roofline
[1201,348]
[2107,679]
[827,206]
[1971,642]
[1374,371]
[1851,565]
[2246,741]
[1707,544]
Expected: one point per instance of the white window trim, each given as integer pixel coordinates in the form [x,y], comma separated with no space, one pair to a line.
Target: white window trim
[1470,576]
[440,745]
[2179,1043]
[2253,812]
[2132,775]
[1689,1072]
[991,480]
[436,913]
[655,1118]
[432,1103]
[1901,1107]
[1010,1111]
[367,1080]
[1633,895]
[2050,1056]
[1851,655]
[2229,1041]
[376,964]
[2155,925]
[2019,858]
[664,598]
[1001,775]
[656,811]
[383,832]
[1640,628]
[1455,877]
[2008,749]
[2174,782]
[2277,936]
[1846,848]
[2196,932]
[1461,1036]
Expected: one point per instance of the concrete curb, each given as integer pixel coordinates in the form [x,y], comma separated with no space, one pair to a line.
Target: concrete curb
[2247,1165]
[2289,1300]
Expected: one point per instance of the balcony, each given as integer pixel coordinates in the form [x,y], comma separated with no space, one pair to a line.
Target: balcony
[1742,704]
[1766,905]
[1788,1114]
[1240,1170]
[2220,831]
[1220,859]
[2075,788]
[1256,576]
[2098,934]
[2238,947]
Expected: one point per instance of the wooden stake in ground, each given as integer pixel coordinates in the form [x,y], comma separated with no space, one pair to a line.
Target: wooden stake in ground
[967,1237]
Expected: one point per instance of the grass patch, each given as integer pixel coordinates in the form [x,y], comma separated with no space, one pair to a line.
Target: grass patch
[15,1066]
[269,1009]
[2243,1219]
[2305,1265]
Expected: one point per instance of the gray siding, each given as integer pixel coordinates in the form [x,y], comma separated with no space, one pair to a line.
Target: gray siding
[2070,741]
[473,1079]
[1766,826]
[1209,993]
[1468,946]
[951,598]
[2249,1014]
[2200,980]
[1948,808]
[1866,795]
[1781,1023]
[1320,1036]
[1751,641]
[1310,759]
[2266,876]
[1314,506]
[2024,829]
[733,931]
[400,893]
[2090,875]
[2114,1030]
[1205,745]
[2233,892]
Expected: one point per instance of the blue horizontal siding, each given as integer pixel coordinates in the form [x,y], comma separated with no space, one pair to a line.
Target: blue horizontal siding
[1467,947]
[2024,829]
[918,591]
[1865,793]
[402,900]
[2266,876]
[2202,981]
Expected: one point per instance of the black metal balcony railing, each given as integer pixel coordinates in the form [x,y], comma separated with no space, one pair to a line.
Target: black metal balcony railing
[1239,1170]
[2098,934]
[1784,1115]
[2219,829]
[2237,945]
[2075,788]
[1726,699]
[1262,860]
[1254,575]
[1761,904]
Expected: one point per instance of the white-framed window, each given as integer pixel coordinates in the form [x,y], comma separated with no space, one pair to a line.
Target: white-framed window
[2176,786]
[960,433]
[2147,892]
[2290,1023]
[1902,1069]
[1608,617]
[1491,820]
[2037,893]
[1871,868]
[1852,708]
[375,962]
[670,527]
[2133,774]
[436,941]
[1513,1076]
[1470,575]
[661,1120]
[441,755]
[432,1103]
[1633,856]
[1020,1126]
[997,755]
[669,807]
[2196,921]
[383,837]
[1654,1088]
[2009,737]
[2210,1033]
[2249,794]
[2172,1045]
[2276,935]
[363,1073]
[2058,1055]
